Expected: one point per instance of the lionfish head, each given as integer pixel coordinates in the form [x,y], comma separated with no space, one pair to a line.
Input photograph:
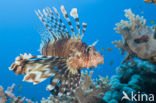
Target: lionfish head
[94,57]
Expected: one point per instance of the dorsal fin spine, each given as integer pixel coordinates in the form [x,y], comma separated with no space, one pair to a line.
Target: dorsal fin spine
[62,24]
[84,29]
[45,22]
[55,25]
[55,22]
[74,14]
[68,20]
[51,21]
[58,24]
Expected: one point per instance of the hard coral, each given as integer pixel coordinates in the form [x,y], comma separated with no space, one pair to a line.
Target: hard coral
[138,39]
[9,96]
[140,77]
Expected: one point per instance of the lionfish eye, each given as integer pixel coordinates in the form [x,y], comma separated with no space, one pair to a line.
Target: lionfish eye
[89,49]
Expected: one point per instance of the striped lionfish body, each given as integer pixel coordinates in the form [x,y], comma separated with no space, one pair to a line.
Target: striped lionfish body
[62,56]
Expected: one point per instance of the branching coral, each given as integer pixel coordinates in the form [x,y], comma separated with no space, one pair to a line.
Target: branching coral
[8,96]
[3,98]
[88,92]
[150,1]
[138,39]
[137,78]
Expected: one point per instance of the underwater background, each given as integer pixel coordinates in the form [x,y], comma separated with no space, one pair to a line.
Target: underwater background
[20,27]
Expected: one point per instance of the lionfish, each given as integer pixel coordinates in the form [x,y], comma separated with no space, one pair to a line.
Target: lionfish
[63,54]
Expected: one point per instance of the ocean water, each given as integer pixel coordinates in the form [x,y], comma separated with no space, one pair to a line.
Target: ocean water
[20,27]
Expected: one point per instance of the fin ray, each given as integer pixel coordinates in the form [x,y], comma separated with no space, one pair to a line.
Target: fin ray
[68,20]
[74,14]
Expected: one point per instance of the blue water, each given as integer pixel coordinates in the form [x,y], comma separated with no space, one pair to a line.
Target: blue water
[19,33]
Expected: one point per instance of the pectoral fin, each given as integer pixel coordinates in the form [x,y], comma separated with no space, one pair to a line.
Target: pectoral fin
[36,68]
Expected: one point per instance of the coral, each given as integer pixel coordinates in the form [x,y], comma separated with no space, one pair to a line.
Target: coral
[150,1]
[9,96]
[138,39]
[140,77]
[90,91]
[137,76]
[3,98]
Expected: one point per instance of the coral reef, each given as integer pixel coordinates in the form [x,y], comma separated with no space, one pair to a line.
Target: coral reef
[90,91]
[150,1]
[9,96]
[138,39]
[139,78]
